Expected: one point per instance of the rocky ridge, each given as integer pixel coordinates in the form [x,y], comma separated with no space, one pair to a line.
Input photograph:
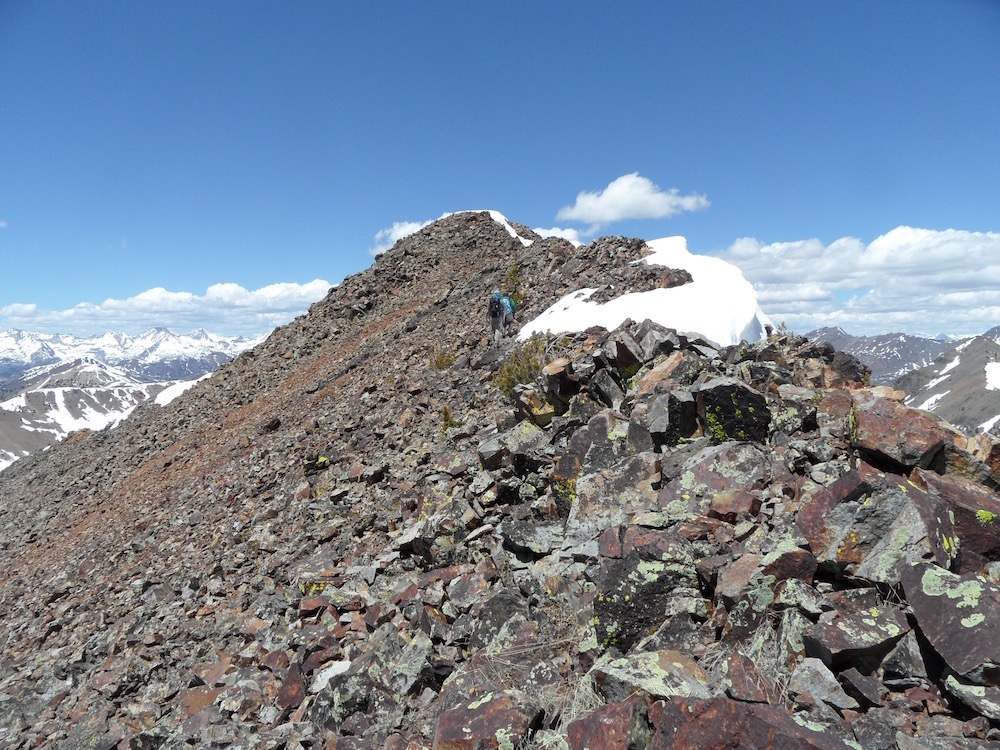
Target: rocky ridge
[348,537]
[889,356]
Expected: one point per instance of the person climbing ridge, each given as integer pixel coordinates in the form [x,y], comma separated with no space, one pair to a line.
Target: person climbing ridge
[498,316]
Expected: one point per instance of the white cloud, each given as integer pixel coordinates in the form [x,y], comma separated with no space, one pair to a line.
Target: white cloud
[386,238]
[228,309]
[912,280]
[3,224]
[573,235]
[17,309]
[631,196]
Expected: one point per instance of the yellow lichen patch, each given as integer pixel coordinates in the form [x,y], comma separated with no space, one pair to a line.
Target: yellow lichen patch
[482,701]
[985,517]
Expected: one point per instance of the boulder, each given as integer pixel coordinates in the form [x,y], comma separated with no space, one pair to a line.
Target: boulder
[974,512]
[812,677]
[731,410]
[714,469]
[871,537]
[860,639]
[610,497]
[894,436]
[494,721]
[716,723]
[960,616]
[613,726]
[637,592]
[659,675]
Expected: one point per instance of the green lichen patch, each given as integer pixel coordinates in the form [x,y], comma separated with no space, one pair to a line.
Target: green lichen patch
[986,518]
[938,582]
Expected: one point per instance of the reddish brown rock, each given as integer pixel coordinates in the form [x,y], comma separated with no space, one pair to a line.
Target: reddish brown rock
[292,692]
[812,517]
[745,683]
[731,504]
[614,726]
[789,561]
[310,606]
[959,615]
[723,724]
[193,700]
[891,432]
[734,577]
[858,639]
[494,720]
[975,513]
[713,470]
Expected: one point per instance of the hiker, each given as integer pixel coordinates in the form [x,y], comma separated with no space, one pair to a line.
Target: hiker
[509,309]
[501,311]
[498,317]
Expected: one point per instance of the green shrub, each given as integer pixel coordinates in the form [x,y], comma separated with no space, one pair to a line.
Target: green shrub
[511,286]
[522,365]
[442,357]
[447,420]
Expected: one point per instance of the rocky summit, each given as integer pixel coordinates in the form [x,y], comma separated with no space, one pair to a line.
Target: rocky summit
[376,530]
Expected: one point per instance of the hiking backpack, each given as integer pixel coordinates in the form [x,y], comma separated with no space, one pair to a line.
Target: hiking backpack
[496,307]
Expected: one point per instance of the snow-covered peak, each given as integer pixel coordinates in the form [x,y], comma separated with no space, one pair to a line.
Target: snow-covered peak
[155,345]
[719,303]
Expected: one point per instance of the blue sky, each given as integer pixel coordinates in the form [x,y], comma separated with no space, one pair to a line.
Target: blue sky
[219,164]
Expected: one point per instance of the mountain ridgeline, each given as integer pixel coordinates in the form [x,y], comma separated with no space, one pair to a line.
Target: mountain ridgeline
[51,385]
[376,530]
[951,378]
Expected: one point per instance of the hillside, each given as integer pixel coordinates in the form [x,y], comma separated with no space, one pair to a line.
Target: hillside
[889,356]
[360,533]
[959,386]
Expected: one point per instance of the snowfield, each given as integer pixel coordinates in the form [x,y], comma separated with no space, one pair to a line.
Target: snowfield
[719,303]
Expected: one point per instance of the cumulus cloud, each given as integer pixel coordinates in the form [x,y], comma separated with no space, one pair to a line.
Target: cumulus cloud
[228,309]
[631,196]
[386,238]
[909,279]
[573,235]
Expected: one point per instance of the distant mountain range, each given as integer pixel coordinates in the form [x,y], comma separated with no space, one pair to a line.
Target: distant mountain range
[51,385]
[958,380]
[889,355]
[156,355]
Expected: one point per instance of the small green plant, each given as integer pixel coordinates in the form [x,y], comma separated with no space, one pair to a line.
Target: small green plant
[565,489]
[564,492]
[511,286]
[447,420]
[522,365]
[442,357]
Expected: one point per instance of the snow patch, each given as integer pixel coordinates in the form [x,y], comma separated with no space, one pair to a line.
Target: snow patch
[934,383]
[499,218]
[950,366]
[719,303]
[988,424]
[930,403]
[992,376]
[171,392]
